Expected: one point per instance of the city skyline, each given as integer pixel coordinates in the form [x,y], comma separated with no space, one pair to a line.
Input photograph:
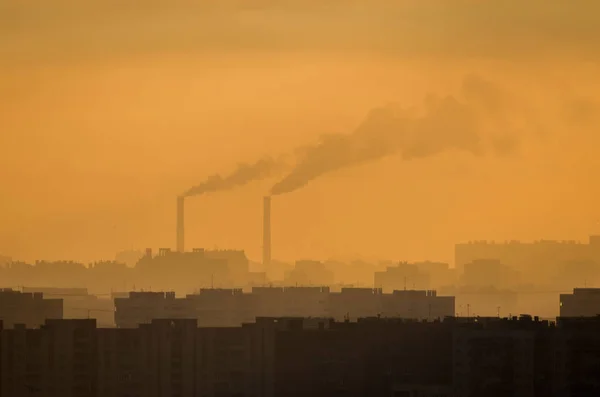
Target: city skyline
[279,198]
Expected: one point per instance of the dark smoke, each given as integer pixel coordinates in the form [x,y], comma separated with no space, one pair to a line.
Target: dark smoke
[244,174]
[445,123]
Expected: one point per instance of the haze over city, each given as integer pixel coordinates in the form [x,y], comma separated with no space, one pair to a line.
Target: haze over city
[110,110]
[281,198]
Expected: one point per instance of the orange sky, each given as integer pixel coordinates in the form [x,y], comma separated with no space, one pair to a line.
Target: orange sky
[106,116]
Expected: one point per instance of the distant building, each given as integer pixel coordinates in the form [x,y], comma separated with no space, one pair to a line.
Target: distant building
[420,305]
[256,279]
[128,257]
[307,273]
[79,304]
[291,302]
[238,265]
[402,276]
[418,275]
[216,307]
[440,273]
[28,309]
[232,307]
[58,274]
[198,268]
[471,301]
[141,307]
[357,273]
[354,303]
[488,273]
[277,270]
[265,301]
[583,302]
[43,273]
[539,258]
[107,275]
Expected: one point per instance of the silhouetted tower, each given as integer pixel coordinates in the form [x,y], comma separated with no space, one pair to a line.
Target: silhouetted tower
[180,225]
[267,231]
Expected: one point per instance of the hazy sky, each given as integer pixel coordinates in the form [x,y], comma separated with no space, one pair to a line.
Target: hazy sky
[109,109]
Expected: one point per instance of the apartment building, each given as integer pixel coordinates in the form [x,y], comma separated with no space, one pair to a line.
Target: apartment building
[304,356]
[233,307]
[57,360]
[583,302]
[28,309]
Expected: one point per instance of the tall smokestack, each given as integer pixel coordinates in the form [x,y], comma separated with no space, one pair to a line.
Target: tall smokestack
[267,231]
[180,226]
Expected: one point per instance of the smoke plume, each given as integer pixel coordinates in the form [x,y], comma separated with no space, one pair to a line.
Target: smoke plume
[444,123]
[244,174]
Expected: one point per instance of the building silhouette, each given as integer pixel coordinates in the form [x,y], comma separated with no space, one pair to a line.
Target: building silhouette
[78,303]
[402,276]
[583,302]
[304,356]
[535,260]
[489,273]
[232,307]
[29,309]
[183,271]
[307,272]
[58,359]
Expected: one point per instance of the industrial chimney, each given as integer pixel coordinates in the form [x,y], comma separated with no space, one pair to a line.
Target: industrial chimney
[180,226]
[267,231]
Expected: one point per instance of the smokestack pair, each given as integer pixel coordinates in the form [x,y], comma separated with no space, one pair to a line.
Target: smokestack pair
[266,228]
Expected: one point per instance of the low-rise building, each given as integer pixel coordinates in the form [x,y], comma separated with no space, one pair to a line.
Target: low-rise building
[417,305]
[583,302]
[232,307]
[78,303]
[28,308]
[402,276]
[141,308]
[309,273]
